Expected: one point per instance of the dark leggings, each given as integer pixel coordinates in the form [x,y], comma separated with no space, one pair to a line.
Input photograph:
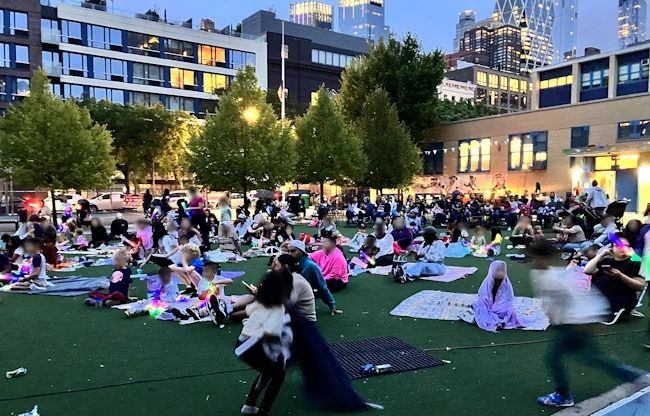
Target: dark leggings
[271,374]
[335,285]
[200,223]
[160,261]
[386,260]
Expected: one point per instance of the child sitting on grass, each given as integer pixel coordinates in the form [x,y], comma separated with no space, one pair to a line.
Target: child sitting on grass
[478,240]
[190,269]
[81,242]
[118,290]
[358,239]
[36,274]
[165,292]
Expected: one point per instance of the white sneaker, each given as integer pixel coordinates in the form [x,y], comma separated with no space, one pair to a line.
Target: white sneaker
[249,410]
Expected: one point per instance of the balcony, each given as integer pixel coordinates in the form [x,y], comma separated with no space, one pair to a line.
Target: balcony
[53,69]
[52,36]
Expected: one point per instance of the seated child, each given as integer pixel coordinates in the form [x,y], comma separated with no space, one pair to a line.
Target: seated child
[538,233]
[193,238]
[81,242]
[495,308]
[495,245]
[165,292]
[430,256]
[36,273]
[118,290]
[464,234]
[5,240]
[457,248]
[50,251]
[478,239]
[358,239]
[190,269]
[370,248]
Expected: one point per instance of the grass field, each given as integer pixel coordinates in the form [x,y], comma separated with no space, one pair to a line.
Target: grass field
[83,360]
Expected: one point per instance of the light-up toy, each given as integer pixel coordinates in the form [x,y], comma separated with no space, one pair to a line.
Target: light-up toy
[629,251]
[367,258]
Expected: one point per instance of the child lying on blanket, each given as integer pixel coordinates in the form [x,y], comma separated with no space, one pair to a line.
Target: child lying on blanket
[494,309]
[165,293]
[120,286]
[35,276]
[430,256]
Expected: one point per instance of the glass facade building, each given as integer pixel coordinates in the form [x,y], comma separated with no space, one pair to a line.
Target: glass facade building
[363,18]
[466,21]
[632,21]
[536,19]
[501,46]
[565,30]
[312,13]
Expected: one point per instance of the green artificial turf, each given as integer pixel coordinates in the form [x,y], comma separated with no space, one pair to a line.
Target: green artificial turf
[82,360]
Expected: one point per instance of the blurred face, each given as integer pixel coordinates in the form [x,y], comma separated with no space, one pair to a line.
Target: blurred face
[170,226]
[619,252]
[607,220]
[328,245]
[31,248]
[119,261]
[94,222]
[369,242]
[186,224]
[500,273]
[165,278]
[568,221]
[295,253]
[380,230]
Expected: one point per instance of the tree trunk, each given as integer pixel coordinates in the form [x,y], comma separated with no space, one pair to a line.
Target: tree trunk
[127,177]
[53,219]
[322,192]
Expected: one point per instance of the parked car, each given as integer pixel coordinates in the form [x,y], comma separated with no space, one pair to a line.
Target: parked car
[175,196]
[62,200]
[107,202]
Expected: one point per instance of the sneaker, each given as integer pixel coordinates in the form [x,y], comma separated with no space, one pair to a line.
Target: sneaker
[128,313]
[90,302]
[647,345]
[555,400]
[111,303]
[179,315]
[216,311]
[249,410]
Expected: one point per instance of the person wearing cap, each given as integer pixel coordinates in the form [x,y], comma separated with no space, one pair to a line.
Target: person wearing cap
[430,256]
[333,265]
[119,227]
[385,243]
[284,230]
[242,224]
[310,271]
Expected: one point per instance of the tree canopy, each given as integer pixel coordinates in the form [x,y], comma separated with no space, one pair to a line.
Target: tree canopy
[243,146]
[328,152]
[393,159]
[409,76]
[450,111]
[49,143]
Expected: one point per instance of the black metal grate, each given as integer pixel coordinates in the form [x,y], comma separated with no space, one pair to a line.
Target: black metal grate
[353,355]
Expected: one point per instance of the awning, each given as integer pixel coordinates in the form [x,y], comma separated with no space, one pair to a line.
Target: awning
[608,150]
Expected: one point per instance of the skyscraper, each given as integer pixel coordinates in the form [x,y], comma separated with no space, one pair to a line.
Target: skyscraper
[501,46]
[363,18]
[565,30]
[466,21]
[312,13]
[535,18]
[632,19]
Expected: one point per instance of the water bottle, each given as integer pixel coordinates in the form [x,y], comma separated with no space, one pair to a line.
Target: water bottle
[219,269]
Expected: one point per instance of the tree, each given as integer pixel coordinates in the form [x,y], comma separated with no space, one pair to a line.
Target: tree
[242,146]
[450,111]
[327,152]
[393,159]
[140,134]
[409,76]
[293,108]
[174,158]
[49,143]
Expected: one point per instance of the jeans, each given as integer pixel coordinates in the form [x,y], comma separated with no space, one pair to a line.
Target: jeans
[577,246]
[575,340]
[106,297]
[498,215]
[425,269]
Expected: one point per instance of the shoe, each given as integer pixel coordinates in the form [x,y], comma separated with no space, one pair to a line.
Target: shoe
[179,315]
[647,345]
[90,302]
[128,314]
[111,303]
[216,311]
[249,410]
[556,400]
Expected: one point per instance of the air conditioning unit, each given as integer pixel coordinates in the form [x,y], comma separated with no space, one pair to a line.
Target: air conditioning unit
[645,62]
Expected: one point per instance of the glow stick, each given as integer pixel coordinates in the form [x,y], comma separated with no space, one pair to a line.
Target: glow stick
[367,258]
[629,251]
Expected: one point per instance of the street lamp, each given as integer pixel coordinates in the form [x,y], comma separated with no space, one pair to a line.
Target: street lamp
[251,115]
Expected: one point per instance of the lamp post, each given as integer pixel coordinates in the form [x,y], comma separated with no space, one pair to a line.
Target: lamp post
[250,115]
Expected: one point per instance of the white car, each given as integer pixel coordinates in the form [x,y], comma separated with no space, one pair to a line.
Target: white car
[62,201]
[107,202]
[175,196]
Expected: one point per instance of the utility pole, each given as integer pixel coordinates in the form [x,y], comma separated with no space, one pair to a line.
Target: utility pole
[285,55]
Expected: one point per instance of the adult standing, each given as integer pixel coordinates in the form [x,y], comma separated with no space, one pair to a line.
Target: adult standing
[147,198]
[312,273]
[197,212]
[597,198]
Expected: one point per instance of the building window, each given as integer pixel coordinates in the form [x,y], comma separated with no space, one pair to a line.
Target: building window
[104,38]
[183,78]
[494,98]
[523,86]
[514,101]
[628,73]
[18,24]
[528,151]
[432,159]
[481,94]
[214,83]
[180,103]
[633,130]
[481,78]
[75,64]
[20,88]
[49,24]
[239,59]
[143,98]
[504,83]
[212,56]
[504,99]
[179,50]
[22,57]
[474,155]
[514,84]
[494,81]
[323,58]
[207,106]
[524,102]
[3,89]
[141,44]
[579,137]
[109,69]
[114,96]
[5,60]
[556,82]
[595,79]
[71,32]
[73,91]
[145,74]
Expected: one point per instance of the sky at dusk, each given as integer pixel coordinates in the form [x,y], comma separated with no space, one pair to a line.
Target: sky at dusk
[434,21]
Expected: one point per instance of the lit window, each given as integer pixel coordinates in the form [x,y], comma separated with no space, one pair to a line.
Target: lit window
[182,78]
[214,83]
[494,81]
[212,56]
[474,155]
[528,151]
[504,83]
[634,130]
[141,44]
[481,78]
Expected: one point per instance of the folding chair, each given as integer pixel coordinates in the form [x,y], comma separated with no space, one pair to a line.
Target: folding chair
[634,313]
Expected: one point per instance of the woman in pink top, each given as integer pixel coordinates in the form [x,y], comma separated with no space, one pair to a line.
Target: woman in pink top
[197,213]
[333,265]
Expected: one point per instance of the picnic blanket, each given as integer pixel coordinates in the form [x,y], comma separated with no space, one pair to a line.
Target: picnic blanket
[68,286]
[453,273]
[447,306]
[219,256]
